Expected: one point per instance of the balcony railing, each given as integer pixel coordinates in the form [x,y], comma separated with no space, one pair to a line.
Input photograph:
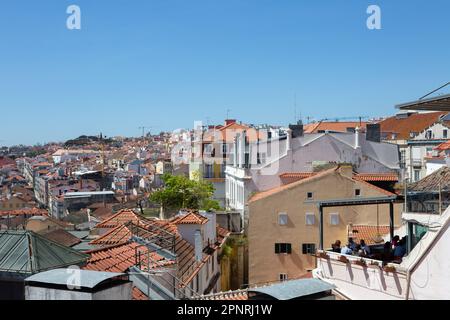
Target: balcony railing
[362,278]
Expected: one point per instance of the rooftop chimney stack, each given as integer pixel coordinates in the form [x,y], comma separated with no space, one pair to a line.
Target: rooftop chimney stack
[373,132]
[289,139]
[198,245]
[229,121]
[357,145]
[297,129]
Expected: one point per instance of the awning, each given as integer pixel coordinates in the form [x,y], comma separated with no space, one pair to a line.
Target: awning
[439,103]
[288,290]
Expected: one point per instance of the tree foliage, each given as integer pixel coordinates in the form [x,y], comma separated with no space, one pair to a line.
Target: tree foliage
[180,192]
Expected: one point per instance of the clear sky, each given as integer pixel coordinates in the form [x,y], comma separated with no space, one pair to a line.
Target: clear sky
[167,63]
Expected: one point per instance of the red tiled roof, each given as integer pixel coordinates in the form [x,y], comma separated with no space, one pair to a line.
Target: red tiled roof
[138,294]
[28,212]
[402,127]
[372,177]
[118,235]
[120,218]
[191,217]
[443,146]
[332,126]
[290,177]
[120,258]
[222,235]
[230,295]
[368,233]
[4,161]
[62,237]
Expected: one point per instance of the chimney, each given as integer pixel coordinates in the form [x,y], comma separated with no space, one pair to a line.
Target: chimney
[229,121]
[373,132]
[297,129]
[198,245]
[357,145]
[289,139]
[346,170]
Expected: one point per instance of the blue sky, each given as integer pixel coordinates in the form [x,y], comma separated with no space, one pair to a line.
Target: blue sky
[167,63]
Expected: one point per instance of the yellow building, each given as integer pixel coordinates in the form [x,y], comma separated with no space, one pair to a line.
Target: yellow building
[284,223]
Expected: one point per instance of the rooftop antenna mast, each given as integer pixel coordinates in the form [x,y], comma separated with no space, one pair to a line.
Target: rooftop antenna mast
[228,113]
[295,107]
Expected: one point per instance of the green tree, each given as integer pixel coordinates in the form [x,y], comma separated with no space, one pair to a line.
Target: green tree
[180,192]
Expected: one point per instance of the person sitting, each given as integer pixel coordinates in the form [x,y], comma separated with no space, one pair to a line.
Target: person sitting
[346,249]
[395,241]
[400,250]
[351,244]
[336,247]
[364,247]
[387,252]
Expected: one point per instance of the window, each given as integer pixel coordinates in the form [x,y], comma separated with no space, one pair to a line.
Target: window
[283,248]
[444,134]
[308,248]
[310,219]
[283,276]
[309,195]
[416,175]
[428,134]
[282,218]
[357,192]
[334,219]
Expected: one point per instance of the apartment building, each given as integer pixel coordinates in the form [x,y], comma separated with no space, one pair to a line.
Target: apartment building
[416,134]
[283,228]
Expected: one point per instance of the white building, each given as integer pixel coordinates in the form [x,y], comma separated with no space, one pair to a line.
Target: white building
[257,166]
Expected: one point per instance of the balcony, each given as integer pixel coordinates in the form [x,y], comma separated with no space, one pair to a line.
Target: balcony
[361,278]
[417,163]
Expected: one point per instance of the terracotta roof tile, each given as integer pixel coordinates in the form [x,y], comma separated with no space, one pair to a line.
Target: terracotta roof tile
[402,127]
[443,146]
[118,235]
[368,233]
[191,217]
[27,212]
[238,295]
[372,177]
[120,258]
[120,218]
[332,126]
[138,294]
[62,237]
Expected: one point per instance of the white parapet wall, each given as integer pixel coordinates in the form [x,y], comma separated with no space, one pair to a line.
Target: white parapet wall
[362,282]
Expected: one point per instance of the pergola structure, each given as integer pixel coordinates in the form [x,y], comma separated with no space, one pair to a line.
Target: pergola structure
[439,103]
[321,204]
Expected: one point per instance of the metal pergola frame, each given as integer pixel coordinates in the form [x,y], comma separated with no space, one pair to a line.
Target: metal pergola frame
[321,204]
[440,103]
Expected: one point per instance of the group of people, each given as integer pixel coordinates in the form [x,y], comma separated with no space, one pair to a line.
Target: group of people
[351,248]
[391,251]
